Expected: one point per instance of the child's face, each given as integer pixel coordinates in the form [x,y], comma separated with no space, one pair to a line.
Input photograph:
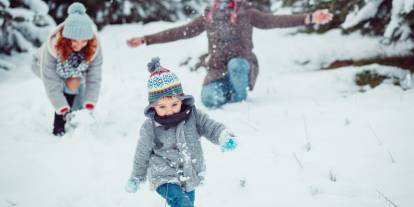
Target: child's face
[73,83]
[168,106]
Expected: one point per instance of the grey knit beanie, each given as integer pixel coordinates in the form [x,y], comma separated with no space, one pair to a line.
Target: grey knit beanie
[78,25]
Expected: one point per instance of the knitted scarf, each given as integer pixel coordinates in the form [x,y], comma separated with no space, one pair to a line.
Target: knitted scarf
[173,120]
[74,66]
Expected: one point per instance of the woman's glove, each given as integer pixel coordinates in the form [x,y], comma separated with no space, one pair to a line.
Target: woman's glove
[63,110]
[89,106]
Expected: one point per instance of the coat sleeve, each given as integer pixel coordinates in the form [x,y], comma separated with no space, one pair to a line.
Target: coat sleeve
[189,30]
[209,128]
[268,21]
[94,79]
[54,85]
[143,151]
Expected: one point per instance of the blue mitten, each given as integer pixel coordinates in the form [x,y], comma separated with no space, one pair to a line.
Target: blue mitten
[227,141]
[132,185]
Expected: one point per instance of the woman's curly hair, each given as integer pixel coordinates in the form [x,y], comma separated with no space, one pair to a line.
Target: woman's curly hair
[64,49]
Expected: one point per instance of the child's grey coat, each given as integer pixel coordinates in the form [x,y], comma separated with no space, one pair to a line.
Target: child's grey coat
[174,155]
[44,65]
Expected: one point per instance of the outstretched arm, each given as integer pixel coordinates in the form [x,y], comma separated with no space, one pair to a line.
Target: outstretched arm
[209,128]
[53,83]
[268,21]
[215,132]
[93,81]
[189,30]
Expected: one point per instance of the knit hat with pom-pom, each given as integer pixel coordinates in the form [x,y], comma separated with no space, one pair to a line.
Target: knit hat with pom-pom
[78,25]
[162,82]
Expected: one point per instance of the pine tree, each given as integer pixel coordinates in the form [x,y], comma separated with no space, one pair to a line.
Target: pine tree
[392,19]
[263,5]
[23,24]
[128,11]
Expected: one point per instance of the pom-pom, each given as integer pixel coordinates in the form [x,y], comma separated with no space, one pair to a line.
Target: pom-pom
[76,8]
[154,64]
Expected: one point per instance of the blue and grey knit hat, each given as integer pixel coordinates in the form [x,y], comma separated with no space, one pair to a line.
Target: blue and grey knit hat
[78,25]
[162,82]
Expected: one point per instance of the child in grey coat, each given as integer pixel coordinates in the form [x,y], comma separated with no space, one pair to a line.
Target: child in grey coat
[169,148]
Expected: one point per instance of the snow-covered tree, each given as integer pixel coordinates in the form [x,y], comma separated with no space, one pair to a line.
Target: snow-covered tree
[392,19]
[339,8]
[263,5]
[23,24]
[127,11]
[398,16]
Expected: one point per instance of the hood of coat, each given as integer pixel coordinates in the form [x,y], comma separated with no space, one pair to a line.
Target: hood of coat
[231,5]
[186,99]
[51,41]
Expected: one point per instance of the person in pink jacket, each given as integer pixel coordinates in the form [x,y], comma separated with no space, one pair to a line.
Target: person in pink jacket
[232,65]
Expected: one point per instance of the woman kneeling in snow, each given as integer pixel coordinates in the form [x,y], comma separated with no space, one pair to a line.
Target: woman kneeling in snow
[232,64]
[69,64]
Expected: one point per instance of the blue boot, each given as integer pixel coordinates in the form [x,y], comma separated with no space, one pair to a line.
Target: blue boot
[215,94]
[175,196]
[239,69]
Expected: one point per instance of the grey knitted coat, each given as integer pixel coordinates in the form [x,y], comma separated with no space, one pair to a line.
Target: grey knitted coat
[174,155]
[44,65]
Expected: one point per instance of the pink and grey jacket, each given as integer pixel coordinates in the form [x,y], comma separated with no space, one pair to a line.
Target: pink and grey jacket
[229,33]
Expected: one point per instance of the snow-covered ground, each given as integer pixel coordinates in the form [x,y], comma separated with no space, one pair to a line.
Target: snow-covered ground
[307,137]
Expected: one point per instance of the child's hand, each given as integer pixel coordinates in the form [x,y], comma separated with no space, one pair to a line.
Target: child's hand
[321,16]
[229,145]
[227,141]
[132,185]
[135,41]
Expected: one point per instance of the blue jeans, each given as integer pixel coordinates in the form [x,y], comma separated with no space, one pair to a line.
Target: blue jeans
[176,196]
[233,88]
